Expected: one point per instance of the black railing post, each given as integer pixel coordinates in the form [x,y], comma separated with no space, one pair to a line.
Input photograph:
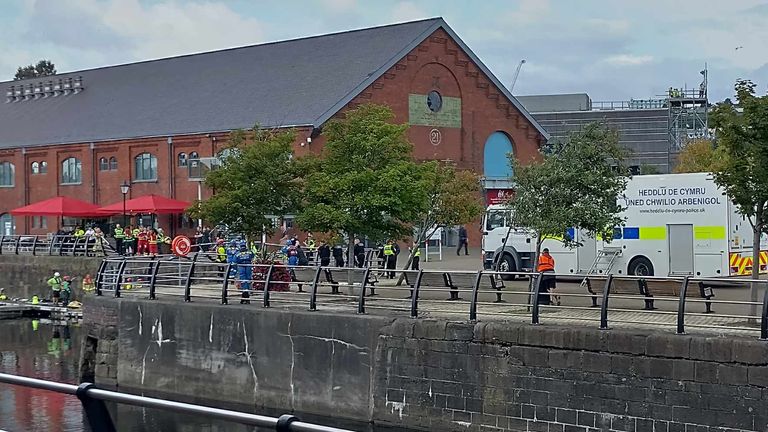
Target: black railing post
[53,242]
[225,284]
[153,279]
[681,306]
[415,295]
[2,241]
[18,242]
[119,278]
[267,277]
[95,410]
[188,282]
[473,302]
[99,276]
[34,245]
[535,302]
[363,287]
[604,305]
[313,293]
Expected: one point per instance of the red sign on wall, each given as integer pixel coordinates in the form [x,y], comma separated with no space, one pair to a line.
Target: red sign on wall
[498,196]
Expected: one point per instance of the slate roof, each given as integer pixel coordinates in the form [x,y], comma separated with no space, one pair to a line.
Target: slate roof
[300,82]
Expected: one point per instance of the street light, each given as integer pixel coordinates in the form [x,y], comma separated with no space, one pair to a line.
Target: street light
[124,188]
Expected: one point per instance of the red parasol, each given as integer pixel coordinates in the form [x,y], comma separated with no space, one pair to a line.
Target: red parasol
[59,206]
[147,204]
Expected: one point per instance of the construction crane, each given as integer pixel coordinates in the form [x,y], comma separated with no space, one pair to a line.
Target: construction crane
[517,74]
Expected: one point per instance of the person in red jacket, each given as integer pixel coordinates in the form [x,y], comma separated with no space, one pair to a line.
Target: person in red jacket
[152,240]
[548,281]
[142,247]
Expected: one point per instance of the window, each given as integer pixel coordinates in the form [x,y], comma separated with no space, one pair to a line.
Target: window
[193,156]
[7,171]
[103,164]
[113,163]
[71,171]
[146,167]
[40,222]
[35,168]
[182,159]
[43,167]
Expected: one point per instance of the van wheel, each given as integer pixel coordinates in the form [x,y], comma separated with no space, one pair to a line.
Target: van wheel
[640,266]
[507,264]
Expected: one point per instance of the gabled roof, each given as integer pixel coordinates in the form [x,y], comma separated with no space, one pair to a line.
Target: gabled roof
[300,82]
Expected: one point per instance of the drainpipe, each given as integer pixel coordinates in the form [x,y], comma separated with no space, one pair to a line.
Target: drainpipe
[24,167]
[171,182]
[93,173]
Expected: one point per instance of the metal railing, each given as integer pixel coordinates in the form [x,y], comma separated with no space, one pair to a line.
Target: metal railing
[99,419]
[605,299]
[50,245]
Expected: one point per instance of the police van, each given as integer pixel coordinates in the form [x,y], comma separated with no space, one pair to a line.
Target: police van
[675,225]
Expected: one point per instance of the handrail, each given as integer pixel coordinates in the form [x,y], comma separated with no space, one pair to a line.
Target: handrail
[99,419]
[54,244]
[206,279]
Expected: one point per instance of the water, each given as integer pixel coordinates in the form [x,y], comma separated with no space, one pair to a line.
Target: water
[42,349]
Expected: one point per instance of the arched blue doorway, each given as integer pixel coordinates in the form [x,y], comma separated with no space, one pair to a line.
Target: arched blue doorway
[496,165]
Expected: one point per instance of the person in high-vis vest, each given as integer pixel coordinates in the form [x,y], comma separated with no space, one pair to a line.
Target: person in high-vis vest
[152,239]
[389,258]
[221,256]
[548,282]
[142,238]
[55,284]
[129,242]
[119,238]
[416,256]
[79,232]
[88,284]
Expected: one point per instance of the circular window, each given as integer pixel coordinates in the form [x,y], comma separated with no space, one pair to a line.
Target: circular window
[434,101]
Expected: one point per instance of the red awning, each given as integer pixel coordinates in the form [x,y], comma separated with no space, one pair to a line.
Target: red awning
[59,206]
[147,204]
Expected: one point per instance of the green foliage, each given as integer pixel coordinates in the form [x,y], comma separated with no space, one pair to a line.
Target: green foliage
[257,179]
[364,183]
[576,185]
[699,155]
[41,69]
[646,169]
[451,198]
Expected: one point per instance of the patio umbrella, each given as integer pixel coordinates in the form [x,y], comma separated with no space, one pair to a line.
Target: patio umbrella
[59,206]
[147,204]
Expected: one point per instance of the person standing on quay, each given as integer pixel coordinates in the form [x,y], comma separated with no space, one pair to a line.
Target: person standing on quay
[324,253]
[119,237]
[462,241]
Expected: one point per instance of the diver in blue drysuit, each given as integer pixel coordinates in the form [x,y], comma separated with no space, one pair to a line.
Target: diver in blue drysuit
[244,260]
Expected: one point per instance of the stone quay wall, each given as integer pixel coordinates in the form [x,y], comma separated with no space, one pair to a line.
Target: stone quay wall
[23,276]
[431,374]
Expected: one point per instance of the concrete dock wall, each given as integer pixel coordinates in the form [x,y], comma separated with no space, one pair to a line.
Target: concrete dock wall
[23,276]
[430,374]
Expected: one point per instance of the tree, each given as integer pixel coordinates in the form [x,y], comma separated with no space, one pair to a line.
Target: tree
[699,155]
[743,170]
[451,199]
[647,169]
[364,183]
[575,185]
[41,69]
[256,181]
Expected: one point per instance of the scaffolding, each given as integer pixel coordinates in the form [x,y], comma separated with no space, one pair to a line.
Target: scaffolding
[688,115]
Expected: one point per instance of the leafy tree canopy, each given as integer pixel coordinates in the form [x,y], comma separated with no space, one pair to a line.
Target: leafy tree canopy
[699,155]
[363,185]
[256,181]
[576,185]
[41,69]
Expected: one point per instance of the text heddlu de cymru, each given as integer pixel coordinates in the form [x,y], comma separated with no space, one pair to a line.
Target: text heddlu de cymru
[673,197]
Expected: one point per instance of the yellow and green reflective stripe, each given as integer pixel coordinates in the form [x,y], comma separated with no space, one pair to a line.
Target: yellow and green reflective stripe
[653,233]
[709,232]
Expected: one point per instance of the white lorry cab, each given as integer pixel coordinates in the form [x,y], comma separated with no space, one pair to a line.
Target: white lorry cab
[675,225]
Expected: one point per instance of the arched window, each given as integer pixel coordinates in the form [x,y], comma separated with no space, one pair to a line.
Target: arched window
[146,167]
[113,163]
[71,171]
[193,156]
[35,167]
[182,159]
[7,174]
[496,163]
[43,167]
[103,164]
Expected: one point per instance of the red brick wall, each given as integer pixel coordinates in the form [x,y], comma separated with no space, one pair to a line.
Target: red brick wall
[436,64]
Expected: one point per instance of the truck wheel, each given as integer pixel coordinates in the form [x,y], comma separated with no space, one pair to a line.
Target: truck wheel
[641,266]
[507,264]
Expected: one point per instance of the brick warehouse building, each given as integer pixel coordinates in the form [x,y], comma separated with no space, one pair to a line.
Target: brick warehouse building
[81,134]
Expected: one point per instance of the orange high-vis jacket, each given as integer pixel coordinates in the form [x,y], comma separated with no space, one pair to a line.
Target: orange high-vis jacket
[546,263]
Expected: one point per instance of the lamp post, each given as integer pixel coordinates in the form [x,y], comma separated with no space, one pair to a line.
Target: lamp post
[124,188]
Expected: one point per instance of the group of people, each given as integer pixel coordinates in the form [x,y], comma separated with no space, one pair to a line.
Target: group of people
[140,240]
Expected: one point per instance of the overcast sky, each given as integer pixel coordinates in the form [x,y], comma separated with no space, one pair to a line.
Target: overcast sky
[610,49]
